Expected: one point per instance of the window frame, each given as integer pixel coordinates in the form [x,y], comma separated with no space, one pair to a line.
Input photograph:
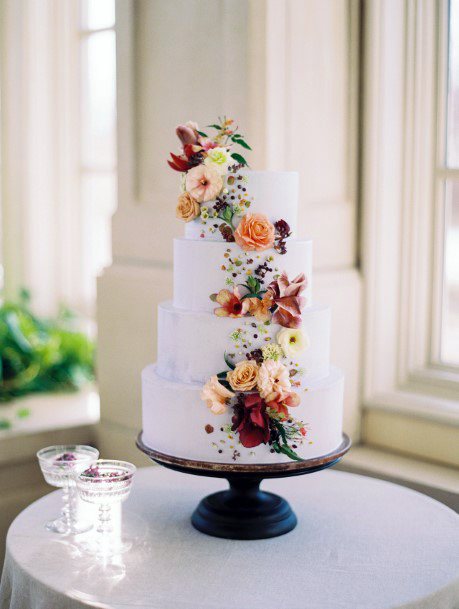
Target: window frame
[402,220]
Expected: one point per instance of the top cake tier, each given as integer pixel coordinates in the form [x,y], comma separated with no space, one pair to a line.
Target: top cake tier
[272,193]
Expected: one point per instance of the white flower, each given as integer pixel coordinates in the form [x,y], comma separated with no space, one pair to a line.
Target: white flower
[192,125]
[219,159]
[272,351]
[292,341]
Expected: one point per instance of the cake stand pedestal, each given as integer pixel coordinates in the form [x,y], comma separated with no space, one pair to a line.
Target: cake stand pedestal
[244,511]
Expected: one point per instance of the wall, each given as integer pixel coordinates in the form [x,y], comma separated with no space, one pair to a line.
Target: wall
[288,72]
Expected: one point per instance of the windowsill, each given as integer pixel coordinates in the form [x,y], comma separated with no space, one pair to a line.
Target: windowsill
[52,418]
[415,473]
[428,407]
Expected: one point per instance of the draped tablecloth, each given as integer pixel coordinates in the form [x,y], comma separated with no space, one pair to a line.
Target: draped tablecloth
[360,544]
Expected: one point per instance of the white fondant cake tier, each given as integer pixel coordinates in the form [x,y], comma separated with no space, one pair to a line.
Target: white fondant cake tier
[272,193]
[175,421]
[191,345]
[202,268]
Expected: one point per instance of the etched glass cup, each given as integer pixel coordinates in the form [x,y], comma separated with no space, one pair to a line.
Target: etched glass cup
[60,466]
[106,483]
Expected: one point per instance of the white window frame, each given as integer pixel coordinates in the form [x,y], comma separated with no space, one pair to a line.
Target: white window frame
[410,402]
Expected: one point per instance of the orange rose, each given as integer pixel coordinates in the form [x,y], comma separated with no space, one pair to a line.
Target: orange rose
[255,232]
[187,208]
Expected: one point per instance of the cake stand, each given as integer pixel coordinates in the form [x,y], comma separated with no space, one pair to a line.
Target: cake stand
[244,511]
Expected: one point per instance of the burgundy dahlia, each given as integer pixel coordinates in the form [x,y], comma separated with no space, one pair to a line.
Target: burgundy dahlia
[250,420]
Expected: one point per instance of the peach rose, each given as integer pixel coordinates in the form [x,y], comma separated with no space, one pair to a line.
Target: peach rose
[255,232]
[216,396]
[187,208]
[273,381]
[244,376]
[203,183]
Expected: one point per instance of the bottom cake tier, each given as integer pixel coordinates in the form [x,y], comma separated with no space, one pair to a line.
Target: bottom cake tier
[178,423]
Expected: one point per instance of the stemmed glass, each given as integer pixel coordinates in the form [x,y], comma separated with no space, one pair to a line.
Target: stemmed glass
[60,465]
[106,483]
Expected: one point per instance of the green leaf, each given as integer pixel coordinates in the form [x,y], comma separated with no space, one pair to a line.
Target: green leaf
[218,127]
[281,430]
[242,143]
[238,262]
[276,447]
[23,413]
[226,385]
[24,296]
[213,297]
[202,134]
[222,375]
[253,283]
[251,295]
[239,158]
[12,321]
[284,448]
[5,424]
[228,362]
[227,214]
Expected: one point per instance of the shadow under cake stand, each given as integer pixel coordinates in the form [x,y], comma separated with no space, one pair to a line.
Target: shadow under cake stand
[244,511]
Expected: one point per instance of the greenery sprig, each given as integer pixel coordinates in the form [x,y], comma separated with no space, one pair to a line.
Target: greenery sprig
[39,355]
[226,135]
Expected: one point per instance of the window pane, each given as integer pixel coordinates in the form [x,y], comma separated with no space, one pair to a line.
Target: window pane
[452,138]
[98,103]
[450,318]
[98,197]
[97,14]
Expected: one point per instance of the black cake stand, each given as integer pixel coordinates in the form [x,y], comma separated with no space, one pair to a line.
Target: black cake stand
[244,511]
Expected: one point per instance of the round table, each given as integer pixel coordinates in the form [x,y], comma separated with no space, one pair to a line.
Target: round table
[360,544]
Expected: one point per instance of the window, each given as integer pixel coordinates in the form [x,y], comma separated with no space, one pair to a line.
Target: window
[410,207]
[448,177]
[98,136]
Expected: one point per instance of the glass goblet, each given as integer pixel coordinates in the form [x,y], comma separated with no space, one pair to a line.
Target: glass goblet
[60,465]
[106,483]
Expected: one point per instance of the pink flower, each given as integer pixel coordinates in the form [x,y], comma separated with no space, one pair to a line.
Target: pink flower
[231,304]
[203,183]
[282,404]
[216,396]
[286,295]
[273,381]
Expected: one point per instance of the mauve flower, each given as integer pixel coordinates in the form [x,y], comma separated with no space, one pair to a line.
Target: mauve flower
[187,134]
[203,183]
[251,421]
[231,304]
[286,295]
[254,232]
[216,396]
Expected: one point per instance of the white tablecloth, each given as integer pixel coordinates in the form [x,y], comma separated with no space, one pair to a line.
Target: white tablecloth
[360,544]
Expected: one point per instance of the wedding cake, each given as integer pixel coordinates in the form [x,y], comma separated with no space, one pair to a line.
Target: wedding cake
[243,372]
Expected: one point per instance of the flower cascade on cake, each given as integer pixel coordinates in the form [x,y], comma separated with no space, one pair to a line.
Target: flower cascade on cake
[260,389]
[214,191]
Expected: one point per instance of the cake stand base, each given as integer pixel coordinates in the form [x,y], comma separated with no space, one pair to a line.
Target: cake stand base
[244,511]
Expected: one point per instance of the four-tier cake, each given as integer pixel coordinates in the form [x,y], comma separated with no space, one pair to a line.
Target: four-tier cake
[243,372]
